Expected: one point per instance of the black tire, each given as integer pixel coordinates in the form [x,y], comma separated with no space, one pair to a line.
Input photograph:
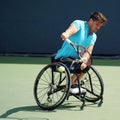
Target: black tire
[93,83]
[51,87]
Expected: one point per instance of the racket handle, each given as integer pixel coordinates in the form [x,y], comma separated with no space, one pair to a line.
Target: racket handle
[70,42]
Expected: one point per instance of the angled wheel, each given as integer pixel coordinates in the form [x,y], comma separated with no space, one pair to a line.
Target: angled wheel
[51,86]
[93,83]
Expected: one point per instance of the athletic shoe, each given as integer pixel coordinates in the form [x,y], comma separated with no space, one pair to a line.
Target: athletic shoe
[75,90]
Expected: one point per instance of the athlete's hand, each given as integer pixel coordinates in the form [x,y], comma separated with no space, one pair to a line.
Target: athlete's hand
[64,36]
[83,62]
[83,66]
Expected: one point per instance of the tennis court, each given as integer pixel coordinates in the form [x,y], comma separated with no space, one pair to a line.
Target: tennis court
[17,75]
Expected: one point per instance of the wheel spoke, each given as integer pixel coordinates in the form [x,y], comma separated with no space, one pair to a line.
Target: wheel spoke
[93,83]
[51,87]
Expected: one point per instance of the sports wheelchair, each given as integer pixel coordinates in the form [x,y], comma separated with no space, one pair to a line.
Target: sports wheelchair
[51,87]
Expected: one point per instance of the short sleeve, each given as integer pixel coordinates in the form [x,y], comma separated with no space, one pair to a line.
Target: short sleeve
[77,24]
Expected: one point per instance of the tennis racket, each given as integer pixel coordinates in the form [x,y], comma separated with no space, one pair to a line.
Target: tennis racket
[81,50]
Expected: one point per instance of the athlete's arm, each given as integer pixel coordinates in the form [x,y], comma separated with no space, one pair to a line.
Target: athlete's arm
[70,31]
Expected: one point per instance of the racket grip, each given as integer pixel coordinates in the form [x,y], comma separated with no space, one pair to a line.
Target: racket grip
[68,41]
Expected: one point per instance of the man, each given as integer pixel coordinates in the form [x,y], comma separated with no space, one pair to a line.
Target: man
[81,33]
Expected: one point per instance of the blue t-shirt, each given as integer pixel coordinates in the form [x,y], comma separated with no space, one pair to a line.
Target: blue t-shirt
[79,38]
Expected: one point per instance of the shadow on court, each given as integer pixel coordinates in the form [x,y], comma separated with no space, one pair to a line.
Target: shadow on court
[25,109]
[33,109]
[67,106]
[75,105]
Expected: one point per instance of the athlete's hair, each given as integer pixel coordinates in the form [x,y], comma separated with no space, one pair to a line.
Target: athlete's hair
[98,16]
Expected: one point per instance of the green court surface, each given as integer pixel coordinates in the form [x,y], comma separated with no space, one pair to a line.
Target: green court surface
[17,75]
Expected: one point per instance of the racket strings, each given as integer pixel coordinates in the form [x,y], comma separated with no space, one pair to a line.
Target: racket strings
[81,50]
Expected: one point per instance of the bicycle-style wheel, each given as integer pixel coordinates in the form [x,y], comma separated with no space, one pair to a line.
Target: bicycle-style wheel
[93,83]
[51,86]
